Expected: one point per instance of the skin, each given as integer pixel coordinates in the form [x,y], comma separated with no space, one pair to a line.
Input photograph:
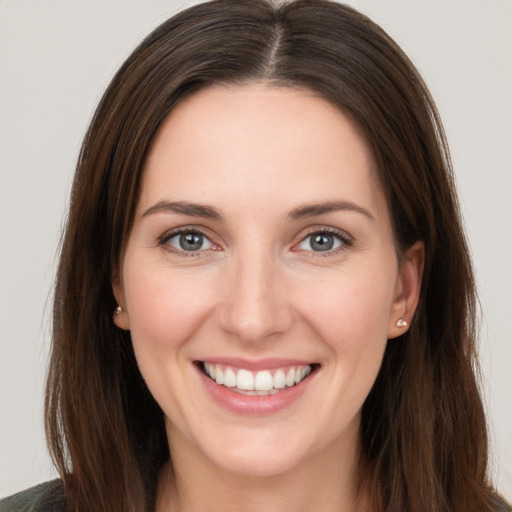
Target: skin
[256,289]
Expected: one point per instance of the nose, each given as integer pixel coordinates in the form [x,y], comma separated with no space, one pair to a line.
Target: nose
[256,306]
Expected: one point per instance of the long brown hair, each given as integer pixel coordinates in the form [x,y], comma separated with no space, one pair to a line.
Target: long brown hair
[423,431]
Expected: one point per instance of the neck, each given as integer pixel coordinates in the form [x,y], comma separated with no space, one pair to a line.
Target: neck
[328,481]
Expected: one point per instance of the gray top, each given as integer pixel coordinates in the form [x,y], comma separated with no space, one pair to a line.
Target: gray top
[49,497]
[46,497]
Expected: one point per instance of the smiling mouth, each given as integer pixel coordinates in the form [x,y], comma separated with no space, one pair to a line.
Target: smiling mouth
[259,383]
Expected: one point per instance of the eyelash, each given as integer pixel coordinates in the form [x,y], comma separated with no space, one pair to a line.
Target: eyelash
[345,239]
[164,239]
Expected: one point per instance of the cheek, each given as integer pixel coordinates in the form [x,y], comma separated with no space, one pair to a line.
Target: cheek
[352,309]
[164,307]
[352,319]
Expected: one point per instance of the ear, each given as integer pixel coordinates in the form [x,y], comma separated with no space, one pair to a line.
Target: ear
[408,288]
[120,318]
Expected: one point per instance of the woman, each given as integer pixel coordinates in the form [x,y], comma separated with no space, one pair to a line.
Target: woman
[264,201]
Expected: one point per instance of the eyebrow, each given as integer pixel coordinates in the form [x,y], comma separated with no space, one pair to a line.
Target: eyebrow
[210,212]
[185,208]
[315,209]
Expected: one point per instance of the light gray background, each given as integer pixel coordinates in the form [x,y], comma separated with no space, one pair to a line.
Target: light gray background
[56,58]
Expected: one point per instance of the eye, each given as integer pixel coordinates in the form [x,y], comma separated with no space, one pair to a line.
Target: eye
[323,241]
[188,241]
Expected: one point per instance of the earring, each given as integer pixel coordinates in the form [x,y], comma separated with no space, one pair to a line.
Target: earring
[118,310]
[401,323]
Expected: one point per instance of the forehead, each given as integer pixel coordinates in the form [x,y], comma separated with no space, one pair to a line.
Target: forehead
[258,141]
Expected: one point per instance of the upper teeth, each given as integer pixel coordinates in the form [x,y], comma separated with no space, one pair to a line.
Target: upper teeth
[265,380]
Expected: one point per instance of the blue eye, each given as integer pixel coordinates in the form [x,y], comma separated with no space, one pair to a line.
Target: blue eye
[321,242]
[189,241]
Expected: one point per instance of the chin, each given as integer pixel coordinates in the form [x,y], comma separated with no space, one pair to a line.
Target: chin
[252,452]
[258,462]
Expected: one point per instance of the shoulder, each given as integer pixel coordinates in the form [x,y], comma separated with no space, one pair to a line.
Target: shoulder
[46,497]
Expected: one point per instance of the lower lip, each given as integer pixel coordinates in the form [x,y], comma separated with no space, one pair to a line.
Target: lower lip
[254,405]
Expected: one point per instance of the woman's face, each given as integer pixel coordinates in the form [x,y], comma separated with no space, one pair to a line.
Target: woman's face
[262,254]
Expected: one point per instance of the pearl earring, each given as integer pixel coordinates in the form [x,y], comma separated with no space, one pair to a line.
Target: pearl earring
[118,310]
[401,323]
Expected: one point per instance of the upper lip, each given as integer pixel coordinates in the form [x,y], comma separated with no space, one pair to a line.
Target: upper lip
[256,364]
